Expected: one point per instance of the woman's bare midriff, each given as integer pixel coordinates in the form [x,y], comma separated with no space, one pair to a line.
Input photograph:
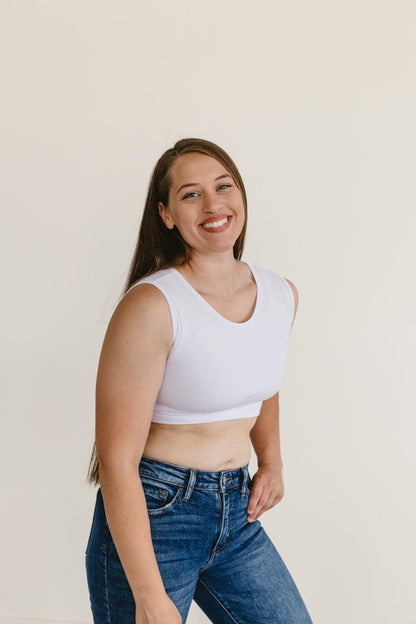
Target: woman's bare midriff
[221,445]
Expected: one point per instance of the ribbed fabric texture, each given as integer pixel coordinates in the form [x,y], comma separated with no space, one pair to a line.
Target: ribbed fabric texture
[218,369]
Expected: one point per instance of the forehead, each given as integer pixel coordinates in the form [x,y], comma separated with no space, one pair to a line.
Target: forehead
[196,167]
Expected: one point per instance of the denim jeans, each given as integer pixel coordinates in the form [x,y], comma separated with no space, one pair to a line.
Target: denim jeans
[205,548]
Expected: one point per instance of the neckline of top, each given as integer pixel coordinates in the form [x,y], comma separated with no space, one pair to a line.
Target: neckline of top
[213,310]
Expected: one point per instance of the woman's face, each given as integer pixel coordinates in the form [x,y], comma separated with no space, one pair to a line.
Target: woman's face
[202,190]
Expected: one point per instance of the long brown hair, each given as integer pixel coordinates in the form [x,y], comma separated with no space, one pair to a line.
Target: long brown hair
[159,247]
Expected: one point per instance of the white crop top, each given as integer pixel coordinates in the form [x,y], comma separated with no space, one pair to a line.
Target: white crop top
[218,369]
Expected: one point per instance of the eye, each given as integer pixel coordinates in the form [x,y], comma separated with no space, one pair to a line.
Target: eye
[195,192]
[189,194]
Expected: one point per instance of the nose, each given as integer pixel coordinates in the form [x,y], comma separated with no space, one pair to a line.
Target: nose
[212,203]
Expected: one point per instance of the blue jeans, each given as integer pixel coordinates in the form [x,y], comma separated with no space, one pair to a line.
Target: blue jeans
[205,548]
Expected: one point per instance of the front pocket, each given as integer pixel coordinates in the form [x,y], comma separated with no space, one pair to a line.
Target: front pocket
[160,496]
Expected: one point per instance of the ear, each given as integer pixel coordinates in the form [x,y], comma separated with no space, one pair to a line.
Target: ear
[166,218]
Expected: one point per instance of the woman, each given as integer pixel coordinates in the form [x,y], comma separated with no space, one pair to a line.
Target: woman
[189,373]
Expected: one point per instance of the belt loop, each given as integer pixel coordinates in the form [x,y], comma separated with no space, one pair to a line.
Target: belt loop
[244,480]
[190,484]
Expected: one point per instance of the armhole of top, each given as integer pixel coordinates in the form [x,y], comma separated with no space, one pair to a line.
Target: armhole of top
[173,315]
[292,298]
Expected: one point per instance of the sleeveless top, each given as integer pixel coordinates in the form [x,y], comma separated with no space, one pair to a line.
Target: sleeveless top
[218,369]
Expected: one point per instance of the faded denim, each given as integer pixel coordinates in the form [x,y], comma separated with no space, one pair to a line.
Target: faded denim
[206,551]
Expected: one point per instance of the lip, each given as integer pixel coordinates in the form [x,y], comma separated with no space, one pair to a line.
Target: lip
[217,230]
[216,218]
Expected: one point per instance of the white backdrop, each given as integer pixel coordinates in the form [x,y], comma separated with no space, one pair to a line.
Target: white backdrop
[315,103]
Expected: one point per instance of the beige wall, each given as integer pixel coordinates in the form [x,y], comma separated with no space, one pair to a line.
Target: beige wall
[315,102]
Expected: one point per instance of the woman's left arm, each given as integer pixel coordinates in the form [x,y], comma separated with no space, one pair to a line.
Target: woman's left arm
[265,435]
[267,487]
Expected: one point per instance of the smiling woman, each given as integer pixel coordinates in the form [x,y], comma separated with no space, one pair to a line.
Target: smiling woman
[189,375]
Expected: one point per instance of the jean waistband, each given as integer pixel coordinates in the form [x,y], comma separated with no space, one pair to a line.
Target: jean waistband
[191,478]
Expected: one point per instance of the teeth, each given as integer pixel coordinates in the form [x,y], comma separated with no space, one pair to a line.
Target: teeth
[215,223]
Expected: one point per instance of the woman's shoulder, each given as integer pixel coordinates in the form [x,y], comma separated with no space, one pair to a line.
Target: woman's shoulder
[143,310]
[157,277]
[286,283]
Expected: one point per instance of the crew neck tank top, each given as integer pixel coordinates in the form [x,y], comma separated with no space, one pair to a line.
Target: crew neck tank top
[219,369]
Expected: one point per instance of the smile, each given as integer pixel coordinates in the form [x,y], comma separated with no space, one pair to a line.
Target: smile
[217,226]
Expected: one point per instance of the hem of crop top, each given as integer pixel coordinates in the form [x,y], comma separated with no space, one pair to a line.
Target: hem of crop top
[169,416]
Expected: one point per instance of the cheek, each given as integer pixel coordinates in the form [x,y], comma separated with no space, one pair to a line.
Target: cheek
[239,210]
[186,218]
[238,205]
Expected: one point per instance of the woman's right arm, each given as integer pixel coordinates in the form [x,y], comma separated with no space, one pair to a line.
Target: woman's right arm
[130,373]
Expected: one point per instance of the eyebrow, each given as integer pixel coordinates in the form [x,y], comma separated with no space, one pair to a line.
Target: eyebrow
[225,175]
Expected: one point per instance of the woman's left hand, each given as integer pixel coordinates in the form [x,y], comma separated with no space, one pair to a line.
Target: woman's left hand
[267,489]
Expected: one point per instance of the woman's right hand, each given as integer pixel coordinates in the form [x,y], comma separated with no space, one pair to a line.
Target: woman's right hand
[162,610]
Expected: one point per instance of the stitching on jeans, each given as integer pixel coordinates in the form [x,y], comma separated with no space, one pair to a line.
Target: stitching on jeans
[105,578]
[218,600]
